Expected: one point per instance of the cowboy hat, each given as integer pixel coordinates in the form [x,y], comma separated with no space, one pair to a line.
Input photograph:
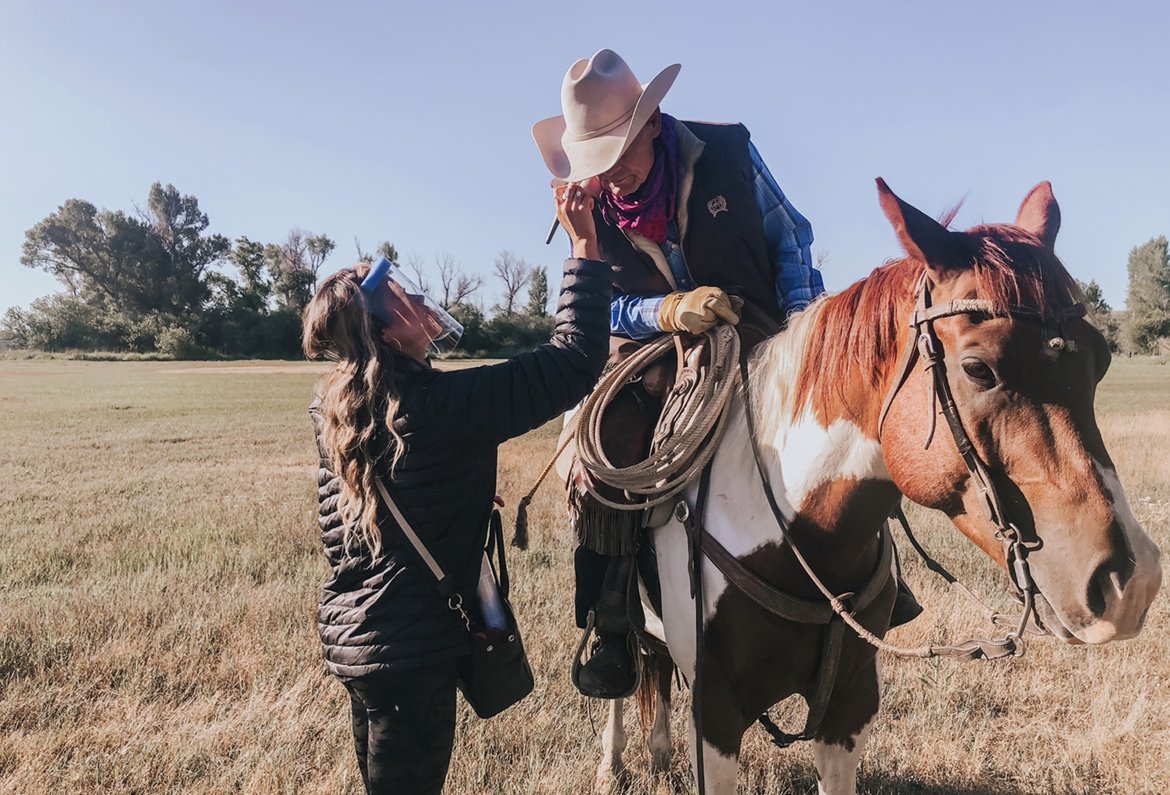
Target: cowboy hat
[604,109]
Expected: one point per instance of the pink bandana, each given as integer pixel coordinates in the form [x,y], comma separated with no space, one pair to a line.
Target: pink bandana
[648,210]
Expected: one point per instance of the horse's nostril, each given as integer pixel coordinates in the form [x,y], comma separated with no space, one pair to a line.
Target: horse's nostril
[1108,583]
[1096,596]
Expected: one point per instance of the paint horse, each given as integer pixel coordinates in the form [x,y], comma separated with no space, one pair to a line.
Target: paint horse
[846,427]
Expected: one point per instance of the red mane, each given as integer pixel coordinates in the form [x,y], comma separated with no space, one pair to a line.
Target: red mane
[857,331]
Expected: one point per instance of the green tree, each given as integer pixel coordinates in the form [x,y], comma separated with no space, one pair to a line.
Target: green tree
[538,293]
[61,322]
[178,225]
[255,286]
[474,339]
[100,257]
[292,276]
[1100,313]
[14,327]
[386,249]
[511,334]
[123,274]
[318,249]
[1148,301]
[1094,298]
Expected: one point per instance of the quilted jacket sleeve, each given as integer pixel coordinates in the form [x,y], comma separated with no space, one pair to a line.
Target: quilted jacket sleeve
[488,405]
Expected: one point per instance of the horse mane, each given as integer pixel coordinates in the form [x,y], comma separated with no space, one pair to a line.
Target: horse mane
[855,334]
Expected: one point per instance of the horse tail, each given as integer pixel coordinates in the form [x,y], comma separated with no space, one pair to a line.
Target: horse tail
[654,684]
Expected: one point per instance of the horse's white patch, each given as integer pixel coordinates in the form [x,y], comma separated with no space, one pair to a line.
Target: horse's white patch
[778,362]
[736,514]
[565,459]
[719,771]
[678,611]
[653,626]
[837,767]
[799,458]
[812,455]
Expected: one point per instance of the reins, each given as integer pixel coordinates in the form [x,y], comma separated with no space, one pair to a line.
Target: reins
[973,649]
[923,343]
[699,423]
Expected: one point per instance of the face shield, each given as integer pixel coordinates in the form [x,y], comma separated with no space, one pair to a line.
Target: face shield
[403,307]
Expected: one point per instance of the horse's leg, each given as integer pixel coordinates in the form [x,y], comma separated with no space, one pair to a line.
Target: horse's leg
[841,739]
[613,743]
[719,769]
[660,729]
[723,730]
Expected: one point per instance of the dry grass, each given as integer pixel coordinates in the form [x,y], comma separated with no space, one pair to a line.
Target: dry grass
[159,570]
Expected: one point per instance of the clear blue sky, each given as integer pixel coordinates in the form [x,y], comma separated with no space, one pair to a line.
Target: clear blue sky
[411,122]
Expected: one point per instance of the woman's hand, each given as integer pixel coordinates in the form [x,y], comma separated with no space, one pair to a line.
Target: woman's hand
[575,212]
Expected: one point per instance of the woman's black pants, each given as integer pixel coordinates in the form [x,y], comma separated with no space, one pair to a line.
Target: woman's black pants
[403,729]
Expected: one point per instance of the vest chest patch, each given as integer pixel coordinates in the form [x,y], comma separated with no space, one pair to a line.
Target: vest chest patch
[717,205]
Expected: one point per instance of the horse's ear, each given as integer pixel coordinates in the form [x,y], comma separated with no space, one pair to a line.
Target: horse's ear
[1040,214]
[924,238]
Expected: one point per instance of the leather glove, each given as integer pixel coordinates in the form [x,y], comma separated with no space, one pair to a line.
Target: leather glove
[697,310]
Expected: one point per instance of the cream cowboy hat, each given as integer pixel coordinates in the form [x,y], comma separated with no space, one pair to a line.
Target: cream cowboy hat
[604,109]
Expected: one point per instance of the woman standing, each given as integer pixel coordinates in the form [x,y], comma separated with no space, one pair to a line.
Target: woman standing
[432,437]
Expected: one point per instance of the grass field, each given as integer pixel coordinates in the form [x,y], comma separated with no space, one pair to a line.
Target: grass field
[159,568]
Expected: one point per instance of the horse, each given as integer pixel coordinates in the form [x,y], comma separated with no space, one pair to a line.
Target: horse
[844,428]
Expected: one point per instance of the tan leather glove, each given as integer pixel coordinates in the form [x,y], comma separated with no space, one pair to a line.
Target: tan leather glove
[696,311]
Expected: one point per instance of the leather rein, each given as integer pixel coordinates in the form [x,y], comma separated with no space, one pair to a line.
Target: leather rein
[923,343]
[838,609]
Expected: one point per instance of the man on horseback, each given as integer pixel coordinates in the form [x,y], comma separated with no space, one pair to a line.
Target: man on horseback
[697,231]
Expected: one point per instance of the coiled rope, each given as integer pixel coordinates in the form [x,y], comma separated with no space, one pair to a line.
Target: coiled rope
[692,423]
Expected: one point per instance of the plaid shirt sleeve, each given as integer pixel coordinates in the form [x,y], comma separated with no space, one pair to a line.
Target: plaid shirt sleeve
[789,239]
[635,316]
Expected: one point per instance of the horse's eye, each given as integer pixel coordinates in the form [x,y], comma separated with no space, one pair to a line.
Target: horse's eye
[978,371]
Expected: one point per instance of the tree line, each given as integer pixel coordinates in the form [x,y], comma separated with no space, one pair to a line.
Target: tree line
[1144,326]
[155,281]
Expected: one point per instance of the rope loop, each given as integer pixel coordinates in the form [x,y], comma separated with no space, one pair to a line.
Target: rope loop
[695,409]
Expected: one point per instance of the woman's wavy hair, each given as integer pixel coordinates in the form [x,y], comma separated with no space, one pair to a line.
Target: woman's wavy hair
[356,397]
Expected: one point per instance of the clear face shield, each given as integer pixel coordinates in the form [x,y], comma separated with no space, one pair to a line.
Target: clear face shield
[412,315]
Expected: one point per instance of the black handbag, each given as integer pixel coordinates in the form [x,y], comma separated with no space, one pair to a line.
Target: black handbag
[496,674]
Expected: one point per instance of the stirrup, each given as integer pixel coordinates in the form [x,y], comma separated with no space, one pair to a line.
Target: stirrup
[579,661]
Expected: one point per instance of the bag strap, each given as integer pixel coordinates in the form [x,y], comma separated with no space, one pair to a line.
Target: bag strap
[495,545]
[446,589]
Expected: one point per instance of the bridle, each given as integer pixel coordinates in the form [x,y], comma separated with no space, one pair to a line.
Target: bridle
[923,343]
[838,609]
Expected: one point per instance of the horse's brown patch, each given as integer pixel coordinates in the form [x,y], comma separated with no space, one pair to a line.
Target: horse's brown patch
[753,659]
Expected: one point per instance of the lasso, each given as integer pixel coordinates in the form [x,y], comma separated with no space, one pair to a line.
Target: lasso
[691,424]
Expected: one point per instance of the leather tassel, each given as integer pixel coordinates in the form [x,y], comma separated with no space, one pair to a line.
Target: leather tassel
[520,535]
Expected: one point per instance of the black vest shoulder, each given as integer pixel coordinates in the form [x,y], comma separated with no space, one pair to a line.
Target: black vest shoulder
[723,244]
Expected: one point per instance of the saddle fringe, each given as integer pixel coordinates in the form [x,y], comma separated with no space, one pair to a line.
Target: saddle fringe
[603,530]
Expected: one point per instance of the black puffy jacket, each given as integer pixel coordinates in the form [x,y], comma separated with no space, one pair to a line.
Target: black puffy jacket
[384,613]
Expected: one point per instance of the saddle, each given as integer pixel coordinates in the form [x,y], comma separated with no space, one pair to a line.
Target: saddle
[633,425]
